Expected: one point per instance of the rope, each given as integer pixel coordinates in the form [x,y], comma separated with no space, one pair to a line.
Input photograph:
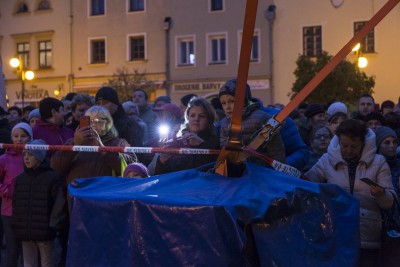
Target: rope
[148,150]
[234,140]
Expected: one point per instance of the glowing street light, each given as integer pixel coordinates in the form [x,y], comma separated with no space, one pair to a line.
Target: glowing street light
[17,64]
[362,62]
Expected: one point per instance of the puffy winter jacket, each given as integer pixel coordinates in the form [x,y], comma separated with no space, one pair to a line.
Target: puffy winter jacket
[39,204]
[332,168]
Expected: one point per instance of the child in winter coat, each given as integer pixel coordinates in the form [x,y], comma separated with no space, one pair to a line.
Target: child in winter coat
[136,170]
[12,165]
[39,207]
[253,118]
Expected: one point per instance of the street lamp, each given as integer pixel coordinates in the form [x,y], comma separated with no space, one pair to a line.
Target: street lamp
[167,28]
[270,15]
[18,65]
[362,62]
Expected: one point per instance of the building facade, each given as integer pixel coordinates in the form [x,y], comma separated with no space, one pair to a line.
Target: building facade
[302,27]
[184,46]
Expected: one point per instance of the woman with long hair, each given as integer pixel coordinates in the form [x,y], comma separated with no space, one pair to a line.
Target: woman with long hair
[197,131]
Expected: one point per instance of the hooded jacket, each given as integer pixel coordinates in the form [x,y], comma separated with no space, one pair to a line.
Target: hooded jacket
[332,168]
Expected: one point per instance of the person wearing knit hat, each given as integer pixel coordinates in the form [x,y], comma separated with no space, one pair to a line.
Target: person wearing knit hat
[336,107]
[107,94]
[161,100]
[136,170]
[253,118]
[387,134]
[386,145]
[38,192]
[315,115]
[12,165]
[313,110]
[387,106]
[374,120]
[25,127]
[229,88]
[127,127]
[34,115]
[39,155]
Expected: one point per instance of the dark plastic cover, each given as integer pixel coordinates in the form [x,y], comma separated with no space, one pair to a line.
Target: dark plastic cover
[192,218]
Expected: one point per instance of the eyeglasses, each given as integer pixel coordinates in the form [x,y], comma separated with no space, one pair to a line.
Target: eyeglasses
[319,136]
[98,121]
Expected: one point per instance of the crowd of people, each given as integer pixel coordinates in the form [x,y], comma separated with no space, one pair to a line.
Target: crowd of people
[327,143]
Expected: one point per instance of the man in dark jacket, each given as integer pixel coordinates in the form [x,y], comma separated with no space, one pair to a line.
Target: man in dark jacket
[127,128]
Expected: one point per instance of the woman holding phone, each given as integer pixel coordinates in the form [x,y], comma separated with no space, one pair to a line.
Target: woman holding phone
[197,131]
[352,156]
[97,130]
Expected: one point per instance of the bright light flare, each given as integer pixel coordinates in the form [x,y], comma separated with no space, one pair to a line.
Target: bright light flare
[362,62]
[29,75]
[14,62]
[356,48]
[163,130]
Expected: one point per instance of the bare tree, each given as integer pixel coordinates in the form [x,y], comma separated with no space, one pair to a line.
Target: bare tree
[125,82]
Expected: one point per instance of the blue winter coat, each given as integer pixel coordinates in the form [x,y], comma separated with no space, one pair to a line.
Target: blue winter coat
[297,153]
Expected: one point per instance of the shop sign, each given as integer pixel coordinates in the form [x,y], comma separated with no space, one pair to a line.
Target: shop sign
[32,94]
[180,87]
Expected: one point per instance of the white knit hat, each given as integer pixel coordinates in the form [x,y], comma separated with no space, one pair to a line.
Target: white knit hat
[336,107]
[26,127]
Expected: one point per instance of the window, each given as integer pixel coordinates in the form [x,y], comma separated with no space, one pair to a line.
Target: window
[186,54]
[23,52]
[44,5]
[98,51]
[136,5]
[217,49]
[254,57]
[255,49]
[22,8]
[216,5]
[45,54]
[97,7]
[312,41]
[137,48]
[367,45]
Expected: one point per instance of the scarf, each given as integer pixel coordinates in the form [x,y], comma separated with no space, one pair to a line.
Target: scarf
[352,166]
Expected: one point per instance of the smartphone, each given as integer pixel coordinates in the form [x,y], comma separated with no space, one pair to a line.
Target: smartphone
[370,182]
[84,121]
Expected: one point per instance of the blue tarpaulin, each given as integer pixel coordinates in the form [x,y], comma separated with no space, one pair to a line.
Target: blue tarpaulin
[193,218]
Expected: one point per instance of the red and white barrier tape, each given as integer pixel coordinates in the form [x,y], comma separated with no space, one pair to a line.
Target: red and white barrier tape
[279,166]
[113,149]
